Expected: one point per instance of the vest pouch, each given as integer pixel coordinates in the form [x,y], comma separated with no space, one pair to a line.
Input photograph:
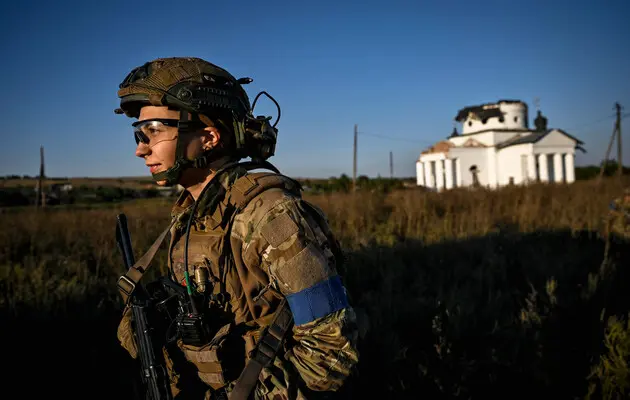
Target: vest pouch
[251,339]
[219,361]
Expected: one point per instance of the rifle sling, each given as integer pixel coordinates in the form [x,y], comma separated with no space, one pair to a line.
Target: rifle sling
[264,353]
[127,282]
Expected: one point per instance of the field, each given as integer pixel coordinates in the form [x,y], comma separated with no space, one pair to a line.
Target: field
[465,295]
[126,182]
[131,182]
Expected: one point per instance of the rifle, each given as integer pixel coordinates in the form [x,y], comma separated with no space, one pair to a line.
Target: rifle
[153,367]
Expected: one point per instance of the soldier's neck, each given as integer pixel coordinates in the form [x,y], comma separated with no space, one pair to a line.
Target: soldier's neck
[195,189]
[203,177]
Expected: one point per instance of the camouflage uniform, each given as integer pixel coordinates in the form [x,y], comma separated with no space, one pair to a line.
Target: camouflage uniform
[281,249]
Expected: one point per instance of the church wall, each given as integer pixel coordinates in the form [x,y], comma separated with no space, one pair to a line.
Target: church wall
[467,158]
[486,138]
[511,164]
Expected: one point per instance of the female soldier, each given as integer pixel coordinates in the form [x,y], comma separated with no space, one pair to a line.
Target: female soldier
[274,321]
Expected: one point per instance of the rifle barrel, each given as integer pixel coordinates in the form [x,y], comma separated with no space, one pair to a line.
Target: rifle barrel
[124,240]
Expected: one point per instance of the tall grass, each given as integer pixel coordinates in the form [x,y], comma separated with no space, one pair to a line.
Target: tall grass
[465,294]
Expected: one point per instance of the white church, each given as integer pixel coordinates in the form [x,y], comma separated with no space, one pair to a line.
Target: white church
[497,148]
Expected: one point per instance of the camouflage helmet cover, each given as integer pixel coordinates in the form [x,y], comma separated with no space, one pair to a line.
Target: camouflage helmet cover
[185,83]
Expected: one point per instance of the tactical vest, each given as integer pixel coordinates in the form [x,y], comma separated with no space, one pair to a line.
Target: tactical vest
[252,309]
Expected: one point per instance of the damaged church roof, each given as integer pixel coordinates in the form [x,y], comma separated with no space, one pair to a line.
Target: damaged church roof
[483,111]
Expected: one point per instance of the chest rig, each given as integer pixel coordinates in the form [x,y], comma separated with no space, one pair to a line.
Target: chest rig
[217,211]
[200,253]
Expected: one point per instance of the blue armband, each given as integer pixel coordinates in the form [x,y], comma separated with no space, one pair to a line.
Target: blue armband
[318,300]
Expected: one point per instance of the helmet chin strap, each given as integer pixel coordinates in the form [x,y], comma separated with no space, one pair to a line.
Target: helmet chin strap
[172,175]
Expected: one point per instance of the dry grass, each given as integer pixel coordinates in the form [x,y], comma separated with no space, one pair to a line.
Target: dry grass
[468,294]
[126,182]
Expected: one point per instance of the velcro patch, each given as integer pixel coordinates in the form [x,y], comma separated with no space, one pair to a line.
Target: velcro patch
[204,356]
[279,230]
[318,301]
[307,268]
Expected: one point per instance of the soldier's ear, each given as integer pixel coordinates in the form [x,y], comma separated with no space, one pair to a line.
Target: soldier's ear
[210,137]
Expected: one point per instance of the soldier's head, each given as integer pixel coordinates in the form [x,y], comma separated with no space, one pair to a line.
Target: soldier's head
[191,116]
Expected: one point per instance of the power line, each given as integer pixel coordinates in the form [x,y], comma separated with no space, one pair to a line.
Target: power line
[578,127]
[395,138]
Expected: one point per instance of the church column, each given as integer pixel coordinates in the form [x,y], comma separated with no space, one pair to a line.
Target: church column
[531,167]
[449,173]
[544,169]
[569,165]
[420,173]
[557,168]
[439,174]
[427,174]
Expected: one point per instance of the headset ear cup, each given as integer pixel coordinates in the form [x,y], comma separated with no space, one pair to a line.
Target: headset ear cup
[259,138]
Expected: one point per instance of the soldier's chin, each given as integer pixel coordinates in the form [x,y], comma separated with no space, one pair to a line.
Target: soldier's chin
[160,183]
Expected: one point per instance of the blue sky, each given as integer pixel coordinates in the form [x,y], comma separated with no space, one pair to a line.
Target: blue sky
[397,69]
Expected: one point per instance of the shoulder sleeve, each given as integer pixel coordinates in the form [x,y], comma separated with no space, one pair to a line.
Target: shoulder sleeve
[283,238]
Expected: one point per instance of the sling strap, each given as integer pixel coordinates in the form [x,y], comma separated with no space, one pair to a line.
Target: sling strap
[127,282]
[265,351]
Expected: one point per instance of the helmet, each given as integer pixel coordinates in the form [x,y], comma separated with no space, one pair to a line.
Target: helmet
[206,91]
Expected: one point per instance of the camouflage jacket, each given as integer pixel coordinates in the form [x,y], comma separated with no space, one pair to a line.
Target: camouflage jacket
[617,221]
[281,247]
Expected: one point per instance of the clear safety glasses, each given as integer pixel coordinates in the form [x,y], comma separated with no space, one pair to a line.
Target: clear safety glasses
[153,131]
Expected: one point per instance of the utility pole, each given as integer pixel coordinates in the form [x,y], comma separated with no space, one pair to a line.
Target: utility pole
[391,165]
[41,199]
[619,152]
[601,169]
[616,132]
[354,164]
